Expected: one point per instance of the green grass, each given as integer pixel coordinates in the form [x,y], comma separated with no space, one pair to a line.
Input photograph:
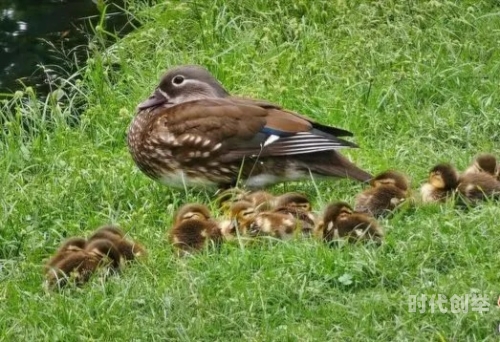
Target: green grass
[417,82]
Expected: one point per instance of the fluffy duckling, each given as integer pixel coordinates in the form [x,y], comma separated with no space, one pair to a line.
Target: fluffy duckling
[442,183]
[193,228]
[388,190]
[251,222]
[275,224]
[71,245]
[128,249]
[475,187]
[299,207]
[339,221]
[241,214]
[81,264]
[484,162]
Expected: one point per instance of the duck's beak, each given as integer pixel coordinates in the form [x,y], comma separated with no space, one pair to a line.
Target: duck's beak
[155,100]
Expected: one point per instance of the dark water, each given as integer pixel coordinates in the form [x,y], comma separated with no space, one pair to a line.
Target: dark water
[50,33]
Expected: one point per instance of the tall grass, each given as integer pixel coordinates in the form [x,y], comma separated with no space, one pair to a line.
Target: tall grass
[415,81]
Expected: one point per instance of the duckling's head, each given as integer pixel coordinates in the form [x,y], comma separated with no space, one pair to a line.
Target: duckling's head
[391,177]
[261,200]
[73,244]
[337,211]
[242,211]
[192,211]
[182,84]
[225,198]
[111,229]
[443,176]
[105,249]
[486,163]
[295,200]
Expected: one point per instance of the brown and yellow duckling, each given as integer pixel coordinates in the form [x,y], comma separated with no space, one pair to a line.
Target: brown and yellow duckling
[388,191]
[299,207]
[442,183]
[241,215]
[250,222]
[194,228]
[341,222]
[128,249]
[79,266]
[274,224]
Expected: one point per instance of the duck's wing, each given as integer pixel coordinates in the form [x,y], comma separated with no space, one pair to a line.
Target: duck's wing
[229,130]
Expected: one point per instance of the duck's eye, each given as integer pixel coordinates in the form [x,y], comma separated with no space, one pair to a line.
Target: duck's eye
[178,80]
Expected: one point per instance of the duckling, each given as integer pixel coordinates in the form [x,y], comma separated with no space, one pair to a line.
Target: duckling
[339,221]
[299,207]
[442,183]
[475,187]
[81,264]
[71,245]
[275,224]
[251,222]
[242,214]
[389,190]
[193,228]
[484,162]
[128,249]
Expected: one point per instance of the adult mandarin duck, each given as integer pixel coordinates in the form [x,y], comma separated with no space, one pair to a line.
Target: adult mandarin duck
[190,132]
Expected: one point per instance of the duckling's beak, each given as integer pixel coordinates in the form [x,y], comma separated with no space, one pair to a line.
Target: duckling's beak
[158,98]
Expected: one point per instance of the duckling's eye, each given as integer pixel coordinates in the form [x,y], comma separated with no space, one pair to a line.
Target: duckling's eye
[178,80]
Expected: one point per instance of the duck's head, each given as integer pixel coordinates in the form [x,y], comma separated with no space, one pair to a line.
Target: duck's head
[294,200]
[486,163]
[443,176]
[391,177]
[182,84]
[111,229]
[104,249]
[192,211]
[73,244]
[337,211]
[242,211]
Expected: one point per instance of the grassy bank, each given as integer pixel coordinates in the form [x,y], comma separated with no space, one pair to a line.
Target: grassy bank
[417,83]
